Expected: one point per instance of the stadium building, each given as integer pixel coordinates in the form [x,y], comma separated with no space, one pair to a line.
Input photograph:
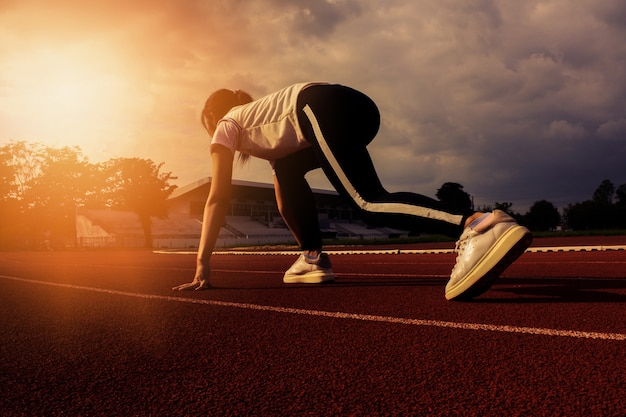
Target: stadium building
[252,219]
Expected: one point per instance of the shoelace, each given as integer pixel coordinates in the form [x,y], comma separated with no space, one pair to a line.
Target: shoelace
[461,244]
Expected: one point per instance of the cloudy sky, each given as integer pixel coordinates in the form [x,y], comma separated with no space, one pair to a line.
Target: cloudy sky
[518,101]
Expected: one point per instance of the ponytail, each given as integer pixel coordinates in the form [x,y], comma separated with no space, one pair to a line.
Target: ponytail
[221,101]
[241,97]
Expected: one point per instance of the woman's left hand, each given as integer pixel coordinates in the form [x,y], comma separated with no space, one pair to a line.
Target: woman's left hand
[200,281]
[193,285]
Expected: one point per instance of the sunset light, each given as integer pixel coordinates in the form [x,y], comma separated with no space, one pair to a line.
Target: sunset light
[66,88]
[501,86]
[322,207]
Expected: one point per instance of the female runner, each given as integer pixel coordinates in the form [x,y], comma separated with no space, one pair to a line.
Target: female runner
[318,125]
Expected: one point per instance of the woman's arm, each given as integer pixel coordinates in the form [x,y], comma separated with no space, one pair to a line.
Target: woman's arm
[213,217]
[217,202]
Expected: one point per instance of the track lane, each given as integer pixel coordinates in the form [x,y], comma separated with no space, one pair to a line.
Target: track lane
[255,346]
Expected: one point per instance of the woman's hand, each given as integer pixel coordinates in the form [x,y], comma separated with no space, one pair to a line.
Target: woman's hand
[200,281]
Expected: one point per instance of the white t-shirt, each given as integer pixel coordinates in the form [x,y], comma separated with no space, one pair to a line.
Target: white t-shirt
[266,128]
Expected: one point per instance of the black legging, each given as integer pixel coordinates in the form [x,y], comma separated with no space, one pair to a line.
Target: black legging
[340,122]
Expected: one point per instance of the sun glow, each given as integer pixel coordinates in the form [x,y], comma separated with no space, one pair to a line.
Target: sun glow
[67,92]
[70,92]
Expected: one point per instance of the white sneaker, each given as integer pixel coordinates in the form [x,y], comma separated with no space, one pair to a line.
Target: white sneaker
[484,254]
[310,271]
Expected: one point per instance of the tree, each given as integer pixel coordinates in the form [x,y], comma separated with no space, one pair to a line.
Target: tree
[620,206]
[62,178]
[52,196]
[8,172]
[581,216]
[452,195]
[138,185]
[21,162]
[542,216]
[599,212]
[604,193]
[42,186]
[505,207]
[10,212]
[620,194]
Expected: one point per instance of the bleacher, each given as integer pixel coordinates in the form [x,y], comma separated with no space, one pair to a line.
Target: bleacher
[362,231]
[122,228]
[356,230]
[251,227]
[91,235]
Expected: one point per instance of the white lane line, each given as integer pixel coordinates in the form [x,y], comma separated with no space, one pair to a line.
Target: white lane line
[340,315]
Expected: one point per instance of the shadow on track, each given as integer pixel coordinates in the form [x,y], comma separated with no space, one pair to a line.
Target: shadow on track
[330,285]
[505,290]
[558,290]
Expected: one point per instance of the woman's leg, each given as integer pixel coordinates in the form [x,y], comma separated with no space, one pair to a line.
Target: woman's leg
[295,199]
[296,204]
[340,122]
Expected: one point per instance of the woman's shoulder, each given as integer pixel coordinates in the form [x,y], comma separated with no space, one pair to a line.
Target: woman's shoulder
[227,134]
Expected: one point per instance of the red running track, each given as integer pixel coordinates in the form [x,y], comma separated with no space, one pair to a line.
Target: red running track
[100,333]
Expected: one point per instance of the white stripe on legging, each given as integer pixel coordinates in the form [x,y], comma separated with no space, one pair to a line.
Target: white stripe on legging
[395,208]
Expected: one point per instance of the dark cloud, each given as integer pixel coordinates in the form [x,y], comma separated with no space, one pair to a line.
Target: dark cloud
[516,100]
[613,12]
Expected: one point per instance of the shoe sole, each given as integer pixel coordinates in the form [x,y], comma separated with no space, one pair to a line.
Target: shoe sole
[310,278]
[510,246]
